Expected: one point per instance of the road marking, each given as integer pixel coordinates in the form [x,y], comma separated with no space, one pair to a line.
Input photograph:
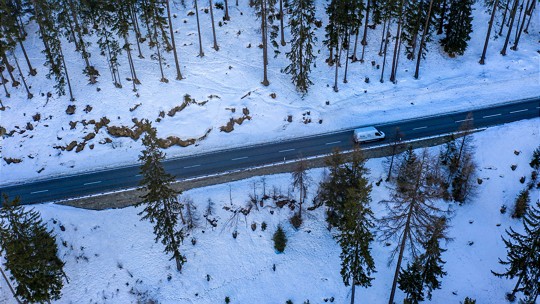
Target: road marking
[288,150]
[239,158]
[419,128]
[138,175]
[194,166]
[91,183]
[464,120]
[519,111]
[488,116]
[334,142]
[40,191]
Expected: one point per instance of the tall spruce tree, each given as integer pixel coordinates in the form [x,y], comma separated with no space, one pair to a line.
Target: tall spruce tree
[303,39]
[265,11]
[523,257]
[355,236]
[458,28]
[31,253]
[160,201]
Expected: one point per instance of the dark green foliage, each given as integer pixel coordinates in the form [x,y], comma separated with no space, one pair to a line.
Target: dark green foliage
[303,38]
[522,202]
[469,301]
[227,300]
[535,161]
[280,239]
[31,253]
[289,302]
[410,282]
[459,27]
[415,15]
[523,256]
[161,206]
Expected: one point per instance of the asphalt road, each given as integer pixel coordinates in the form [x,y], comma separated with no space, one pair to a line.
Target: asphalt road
[55,189]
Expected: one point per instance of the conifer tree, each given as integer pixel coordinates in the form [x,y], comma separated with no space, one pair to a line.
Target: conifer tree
[303,39]
[522,203]
[265,10]
[31,253]
[355,236]
[300,181]
[412,208]
[160,200]
[280,239]
[459,27]
[523,257]
[410,282]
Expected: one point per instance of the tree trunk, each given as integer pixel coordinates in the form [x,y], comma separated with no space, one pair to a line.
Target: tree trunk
[353,57]
[33,71]
[353,292]
[512,17]
[519,19]
[9,68]
[136,29]
[216,46]
[338,55]
[441,21]
[227,17]
[483,57]
[364,40]
[201,53]
[504,17]
[29,95]
[386,41]
[281,17]
[396,47]
[514,47]
[92,73]
[526,30]
[423,39]
[383,37]
[400,257]
[71,98]
[178,74]
[265,81]
[134,79]
[4,81]
[347,58]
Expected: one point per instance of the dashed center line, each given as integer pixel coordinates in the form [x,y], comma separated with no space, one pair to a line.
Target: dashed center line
[420,128]
[138,175]
[40,191]
[488,116]
[91,183]
[194,166]
[462,120]
[519,111]
[239,158]
[288,150]
[333,143]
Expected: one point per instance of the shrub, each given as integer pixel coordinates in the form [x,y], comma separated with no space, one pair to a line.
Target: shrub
[469,301]
[263,226]
[280,239]
[522,201]
[296,221]
[227,300]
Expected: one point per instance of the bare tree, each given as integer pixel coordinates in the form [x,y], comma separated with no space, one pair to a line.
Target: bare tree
[411,209]
[301,180]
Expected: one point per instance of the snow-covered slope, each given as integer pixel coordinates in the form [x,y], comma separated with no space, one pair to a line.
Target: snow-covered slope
[229,80]
[111,256]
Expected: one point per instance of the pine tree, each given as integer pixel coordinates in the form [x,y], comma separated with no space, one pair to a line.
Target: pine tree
[300,181]
[265,10]
[31,253]
[280,239]
[302,41]
[535,161]
[410,282]
[431,261]
[521,204]
[355,236]
[459,27]
[523,258]
[160,201]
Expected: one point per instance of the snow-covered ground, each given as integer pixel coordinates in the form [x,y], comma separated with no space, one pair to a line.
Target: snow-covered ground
[110,254]
[224,77]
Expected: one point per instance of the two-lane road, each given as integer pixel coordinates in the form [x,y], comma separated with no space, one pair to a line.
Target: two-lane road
[245,157]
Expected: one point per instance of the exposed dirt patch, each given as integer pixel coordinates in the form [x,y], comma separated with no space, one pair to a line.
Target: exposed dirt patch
[229,127]
[10,160]
[187,101]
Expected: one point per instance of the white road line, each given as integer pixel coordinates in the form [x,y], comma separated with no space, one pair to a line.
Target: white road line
[239,158]
[288,150]
[457,121]
[138,175]
[91,183]
[420,128]
[334,142]
[519,111]
[40,191]
[194,166]
[488,116]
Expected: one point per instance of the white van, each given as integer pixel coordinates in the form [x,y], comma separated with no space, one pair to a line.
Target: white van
[367,134]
